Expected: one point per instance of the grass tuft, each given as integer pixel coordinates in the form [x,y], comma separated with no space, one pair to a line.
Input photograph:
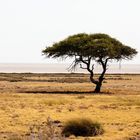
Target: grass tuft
[82,127]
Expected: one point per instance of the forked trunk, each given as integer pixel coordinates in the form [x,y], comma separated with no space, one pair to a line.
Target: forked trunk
[98,82]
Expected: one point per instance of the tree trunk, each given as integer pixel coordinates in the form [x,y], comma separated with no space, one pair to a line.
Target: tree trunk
[97,88]
[101,77]
[99,84]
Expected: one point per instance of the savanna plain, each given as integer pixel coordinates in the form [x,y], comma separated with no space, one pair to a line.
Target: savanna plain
[29,102]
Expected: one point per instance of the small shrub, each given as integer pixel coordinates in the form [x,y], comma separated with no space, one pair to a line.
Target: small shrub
[82,127]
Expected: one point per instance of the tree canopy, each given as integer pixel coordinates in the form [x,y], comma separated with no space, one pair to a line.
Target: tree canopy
[94,45]
[91,47]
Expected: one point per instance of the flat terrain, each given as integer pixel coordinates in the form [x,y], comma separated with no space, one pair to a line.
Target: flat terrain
[27,100]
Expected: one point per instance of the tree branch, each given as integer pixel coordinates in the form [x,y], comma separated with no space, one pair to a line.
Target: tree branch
[104,66]
[72,66]
[89,70]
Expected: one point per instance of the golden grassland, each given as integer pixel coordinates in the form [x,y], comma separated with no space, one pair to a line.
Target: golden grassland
[29,99]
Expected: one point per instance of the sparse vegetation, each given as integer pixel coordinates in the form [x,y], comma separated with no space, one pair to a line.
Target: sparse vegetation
[48,130]
[117,109]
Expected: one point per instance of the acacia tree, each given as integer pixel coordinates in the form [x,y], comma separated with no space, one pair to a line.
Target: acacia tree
[87,49]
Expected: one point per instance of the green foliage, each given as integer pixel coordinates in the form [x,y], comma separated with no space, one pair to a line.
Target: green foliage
[95,45]
[82,127]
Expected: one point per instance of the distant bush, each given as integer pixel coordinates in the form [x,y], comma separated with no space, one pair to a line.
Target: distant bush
[82,127]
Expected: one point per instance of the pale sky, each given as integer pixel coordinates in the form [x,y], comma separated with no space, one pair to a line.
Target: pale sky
[27,26]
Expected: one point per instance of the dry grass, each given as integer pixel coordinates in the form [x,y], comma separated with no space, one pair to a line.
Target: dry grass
[119,112]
